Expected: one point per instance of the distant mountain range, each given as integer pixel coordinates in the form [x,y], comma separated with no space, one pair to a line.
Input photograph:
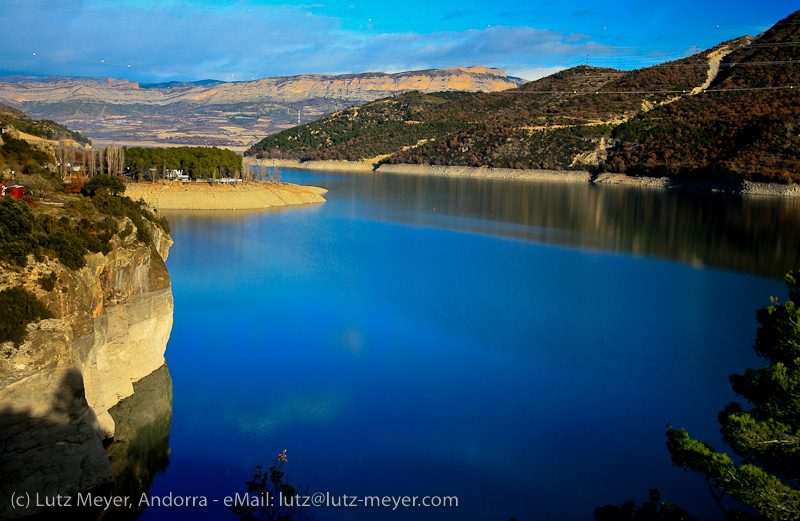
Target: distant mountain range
[210,112]
[21,78]
[729,113]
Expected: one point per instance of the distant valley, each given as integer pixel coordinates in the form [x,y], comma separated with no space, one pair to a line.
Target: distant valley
[233,114]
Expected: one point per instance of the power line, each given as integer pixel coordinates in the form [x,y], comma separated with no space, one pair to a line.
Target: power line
[665,91]
[721,65]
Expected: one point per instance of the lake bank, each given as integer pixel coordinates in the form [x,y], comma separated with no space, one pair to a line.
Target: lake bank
[204,196]
[570,176]
[325,166]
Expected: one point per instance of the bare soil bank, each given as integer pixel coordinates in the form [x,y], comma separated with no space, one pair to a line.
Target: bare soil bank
[170,195]
[327,166]
[570,176]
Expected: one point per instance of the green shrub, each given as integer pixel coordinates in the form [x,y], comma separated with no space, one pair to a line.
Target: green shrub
[143,234]
[18,152]
[48,282]
[112,185]
[118,206]
[163,223]
[82,206]
[54,179]
[127,231]
[23,232]
[17,226]
[20,307]
[68,247]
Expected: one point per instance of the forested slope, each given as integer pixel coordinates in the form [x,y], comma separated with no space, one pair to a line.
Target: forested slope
[727,113]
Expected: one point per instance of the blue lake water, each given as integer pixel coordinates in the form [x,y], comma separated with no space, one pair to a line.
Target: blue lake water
[519,346]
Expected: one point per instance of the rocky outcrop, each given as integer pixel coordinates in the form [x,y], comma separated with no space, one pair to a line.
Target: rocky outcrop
[120,309]
[360,87]
[56,389]
[49,436]
[752,188]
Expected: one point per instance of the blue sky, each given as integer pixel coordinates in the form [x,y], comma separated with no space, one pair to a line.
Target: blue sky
[165,40]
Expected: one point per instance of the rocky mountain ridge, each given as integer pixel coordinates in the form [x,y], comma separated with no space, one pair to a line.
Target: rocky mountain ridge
[234,113]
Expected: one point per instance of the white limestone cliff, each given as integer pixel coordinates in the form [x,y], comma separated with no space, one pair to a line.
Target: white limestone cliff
[56,388]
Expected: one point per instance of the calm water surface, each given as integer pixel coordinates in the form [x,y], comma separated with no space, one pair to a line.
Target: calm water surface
[519,346]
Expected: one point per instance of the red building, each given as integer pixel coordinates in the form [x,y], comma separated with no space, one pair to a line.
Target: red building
[15,191]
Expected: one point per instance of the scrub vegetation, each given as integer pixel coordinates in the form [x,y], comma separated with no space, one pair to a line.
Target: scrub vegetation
[741,126]
[57,220]
[20,307]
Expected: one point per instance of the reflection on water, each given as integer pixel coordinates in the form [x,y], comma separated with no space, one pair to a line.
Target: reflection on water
[140,448]
[754,234]
[415,336]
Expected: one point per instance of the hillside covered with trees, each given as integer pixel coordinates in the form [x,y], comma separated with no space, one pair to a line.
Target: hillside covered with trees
[727,113]
[744,126]
[44,128]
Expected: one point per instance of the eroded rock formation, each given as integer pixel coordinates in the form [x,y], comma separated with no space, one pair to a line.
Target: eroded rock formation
[56,389]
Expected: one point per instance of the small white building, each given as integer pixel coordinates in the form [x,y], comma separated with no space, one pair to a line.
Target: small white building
[173,173]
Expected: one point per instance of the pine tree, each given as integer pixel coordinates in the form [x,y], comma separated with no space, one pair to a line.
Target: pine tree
[766,436]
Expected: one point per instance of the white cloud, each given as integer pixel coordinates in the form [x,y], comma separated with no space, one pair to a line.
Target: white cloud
[173,41]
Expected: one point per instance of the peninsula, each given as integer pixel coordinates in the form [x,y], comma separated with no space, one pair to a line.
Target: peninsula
[169,195]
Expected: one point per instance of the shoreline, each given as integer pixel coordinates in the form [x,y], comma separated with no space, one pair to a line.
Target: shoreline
[170,195]
[326,166]
[569,176]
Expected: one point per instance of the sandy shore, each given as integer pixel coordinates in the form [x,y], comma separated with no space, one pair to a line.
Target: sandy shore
[170,195]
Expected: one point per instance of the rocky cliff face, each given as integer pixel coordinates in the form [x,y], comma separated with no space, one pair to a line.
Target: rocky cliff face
[56,389]
[349,87]
[356,87]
